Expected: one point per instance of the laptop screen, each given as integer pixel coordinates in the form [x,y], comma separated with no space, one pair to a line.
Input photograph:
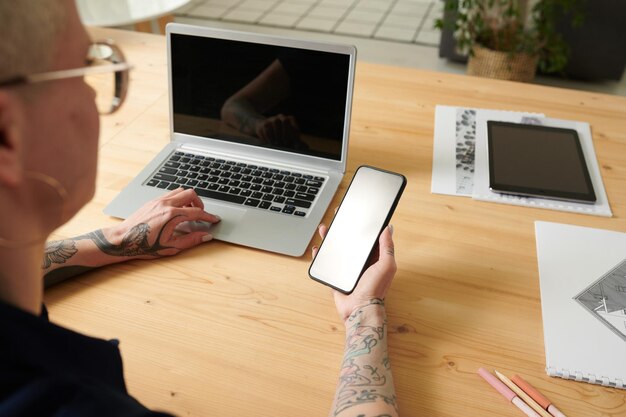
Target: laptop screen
[277,97]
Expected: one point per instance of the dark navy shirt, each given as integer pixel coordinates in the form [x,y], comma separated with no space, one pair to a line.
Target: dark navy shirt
[47,370]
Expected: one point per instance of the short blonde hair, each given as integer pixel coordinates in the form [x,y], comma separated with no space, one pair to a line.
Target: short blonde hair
[29,30]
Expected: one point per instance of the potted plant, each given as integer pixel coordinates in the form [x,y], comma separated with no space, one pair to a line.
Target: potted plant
[510,39]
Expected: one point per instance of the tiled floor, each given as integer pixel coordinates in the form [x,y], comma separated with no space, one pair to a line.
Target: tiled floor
[393,32]
[408,21]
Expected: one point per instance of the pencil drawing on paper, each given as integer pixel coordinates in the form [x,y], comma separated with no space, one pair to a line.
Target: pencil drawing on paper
[465,147]
[605,299]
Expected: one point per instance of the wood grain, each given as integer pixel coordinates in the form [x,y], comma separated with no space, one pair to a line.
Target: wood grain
[233,331]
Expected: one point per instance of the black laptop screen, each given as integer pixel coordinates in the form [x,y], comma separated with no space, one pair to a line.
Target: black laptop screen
[263,95]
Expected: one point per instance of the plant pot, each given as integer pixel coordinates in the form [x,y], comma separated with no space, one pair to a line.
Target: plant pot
[486,62]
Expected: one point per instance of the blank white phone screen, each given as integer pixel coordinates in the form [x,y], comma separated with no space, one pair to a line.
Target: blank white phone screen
[355,228]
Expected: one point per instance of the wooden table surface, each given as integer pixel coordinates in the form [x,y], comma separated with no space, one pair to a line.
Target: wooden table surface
[230,331]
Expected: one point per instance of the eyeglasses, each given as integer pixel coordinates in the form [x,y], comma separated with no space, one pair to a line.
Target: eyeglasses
[106,72]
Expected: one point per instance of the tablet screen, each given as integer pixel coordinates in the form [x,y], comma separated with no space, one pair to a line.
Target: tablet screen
[537,161]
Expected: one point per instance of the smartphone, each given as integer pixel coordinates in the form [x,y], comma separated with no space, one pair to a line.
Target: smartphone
[364,212]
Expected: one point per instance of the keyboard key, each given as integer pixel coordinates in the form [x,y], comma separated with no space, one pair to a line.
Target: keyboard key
[171,164]
[268,197]
[295,174]
[319,178]
[278,177]
[234,183]
[307,176]
[236,176]
[268,182]
[223,181]
[252,202]
[312,183]
[164,177]
[265,204]
[279,200]
[224,189]
[288,209]
[192,175]
[299,181]
[246,171]
[255,187]
[266,189]
[301,188]
[289,193]
[298,203]
[290,187]
[278,191]
[304,196]
[299,213]
[181,181]
[203,184]
[245,193]
[163,184]
[275,208]
[279,184]
[235,191]
[185,159]
[221,196]
[172,186]
[285,172]
[313,190]
[192,183]
[213,187]
[195,168]
[257,195]
[152,183]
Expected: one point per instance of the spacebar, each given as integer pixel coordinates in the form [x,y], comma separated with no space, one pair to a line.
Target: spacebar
[220,196]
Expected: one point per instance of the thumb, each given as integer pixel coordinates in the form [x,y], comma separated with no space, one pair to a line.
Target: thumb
[386,249]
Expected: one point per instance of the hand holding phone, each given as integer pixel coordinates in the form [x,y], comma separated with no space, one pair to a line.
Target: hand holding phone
[363,213]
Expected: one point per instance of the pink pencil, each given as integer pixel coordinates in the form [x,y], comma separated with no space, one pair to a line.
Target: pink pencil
[506,392]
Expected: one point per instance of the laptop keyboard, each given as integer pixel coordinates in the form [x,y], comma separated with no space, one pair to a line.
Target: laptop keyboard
[265,188]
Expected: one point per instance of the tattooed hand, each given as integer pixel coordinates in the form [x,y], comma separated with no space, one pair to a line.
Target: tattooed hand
[375,281]
[154,230]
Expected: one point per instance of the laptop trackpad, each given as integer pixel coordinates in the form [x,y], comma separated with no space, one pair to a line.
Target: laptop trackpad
[231,217]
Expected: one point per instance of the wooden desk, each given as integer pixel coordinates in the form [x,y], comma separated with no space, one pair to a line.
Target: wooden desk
[230,331]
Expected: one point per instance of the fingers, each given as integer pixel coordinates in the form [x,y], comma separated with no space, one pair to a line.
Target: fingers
[322,229]
[184,198]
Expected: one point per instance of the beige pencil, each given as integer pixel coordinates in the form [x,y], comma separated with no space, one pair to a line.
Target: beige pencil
[517,390]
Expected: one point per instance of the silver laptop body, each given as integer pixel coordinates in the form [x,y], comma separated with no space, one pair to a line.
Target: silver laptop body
[203,63]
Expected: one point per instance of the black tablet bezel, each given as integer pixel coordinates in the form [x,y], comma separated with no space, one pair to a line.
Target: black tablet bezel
[589,197]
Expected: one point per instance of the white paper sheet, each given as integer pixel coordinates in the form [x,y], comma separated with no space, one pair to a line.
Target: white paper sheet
[454,147]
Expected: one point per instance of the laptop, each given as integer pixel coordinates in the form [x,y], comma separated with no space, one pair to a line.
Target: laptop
[258,127]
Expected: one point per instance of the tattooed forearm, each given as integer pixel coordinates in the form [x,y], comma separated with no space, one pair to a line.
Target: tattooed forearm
[66,258]
[366,374]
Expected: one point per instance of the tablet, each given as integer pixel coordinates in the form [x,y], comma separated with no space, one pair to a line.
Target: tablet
[537,161]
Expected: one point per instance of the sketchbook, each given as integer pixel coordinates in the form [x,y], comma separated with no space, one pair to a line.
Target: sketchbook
[582,274]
